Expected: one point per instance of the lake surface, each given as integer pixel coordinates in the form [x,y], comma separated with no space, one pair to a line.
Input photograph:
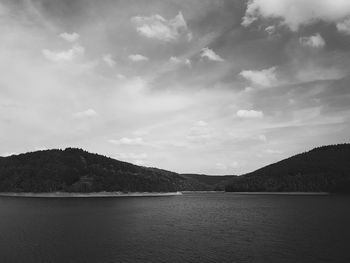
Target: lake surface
[198,227]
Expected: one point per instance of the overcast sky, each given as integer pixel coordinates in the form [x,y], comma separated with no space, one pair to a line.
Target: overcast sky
[200,86]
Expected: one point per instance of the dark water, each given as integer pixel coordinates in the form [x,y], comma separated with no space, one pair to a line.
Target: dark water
[212,227]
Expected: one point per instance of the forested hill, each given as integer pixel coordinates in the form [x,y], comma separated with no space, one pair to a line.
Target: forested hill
[75,170]
[325,168]
[216,182]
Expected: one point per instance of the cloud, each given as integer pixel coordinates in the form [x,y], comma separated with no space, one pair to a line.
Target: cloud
[168,103]
[200,133]
[140,162]
[234,164]
[315,41]
[132,156]
[272,151]
[177,60]
[295,13]
[158,27]
[138,58]
[265,77]
[344,27]
[85,114]
[270,29]
[136,158]
[65,55]
[250,114]
[70,37]
[222,166]
[248,90]
[121,77]
[108,59]
[201,123]
[250,14]
[211,55]
[128,141]
[262,138]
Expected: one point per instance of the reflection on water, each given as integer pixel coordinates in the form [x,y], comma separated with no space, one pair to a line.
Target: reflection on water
[205,227]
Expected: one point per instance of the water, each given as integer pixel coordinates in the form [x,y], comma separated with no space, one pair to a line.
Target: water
[206,227]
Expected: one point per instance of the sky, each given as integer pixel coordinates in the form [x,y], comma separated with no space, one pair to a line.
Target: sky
[196,86]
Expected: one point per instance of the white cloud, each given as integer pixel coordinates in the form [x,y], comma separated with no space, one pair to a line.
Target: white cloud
[136,158]
[200,132]
[85,114]
[201,123]
[265,77]
[65,55]
[108,59]
[344,27]
[315,41]
[250,114]
[211,55]
[250,14]
[131,156]
[121,76]
[140,132]
[70,37]
[270,29]
[262,138]
[234,164]
[272,151]
[140,162]
[138,58]
[128,141]
[174,60]
[295,13]
[222,166]
[177,60]
[158,27]
[248,89]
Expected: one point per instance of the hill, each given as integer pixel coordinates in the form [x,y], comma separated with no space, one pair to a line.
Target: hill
[324,168]
[75,170]
[211,182]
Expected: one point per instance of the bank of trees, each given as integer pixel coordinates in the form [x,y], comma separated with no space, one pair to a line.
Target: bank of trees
[75,170]
[324,168]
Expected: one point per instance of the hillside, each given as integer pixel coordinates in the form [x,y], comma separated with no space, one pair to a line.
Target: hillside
[324,168]
[75,170]
[215,182]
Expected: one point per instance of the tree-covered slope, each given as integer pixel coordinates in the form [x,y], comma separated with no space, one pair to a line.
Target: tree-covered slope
[325,168]
[75,170]
[211,182]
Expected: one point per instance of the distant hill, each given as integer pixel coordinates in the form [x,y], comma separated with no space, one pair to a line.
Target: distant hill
[75,170]
[212,182]
[325,168]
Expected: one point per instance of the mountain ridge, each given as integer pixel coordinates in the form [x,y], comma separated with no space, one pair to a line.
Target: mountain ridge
[76,170]
[324,168]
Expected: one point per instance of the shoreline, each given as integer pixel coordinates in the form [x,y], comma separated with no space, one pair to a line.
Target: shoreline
[280,193]
[144,194]
[88,195]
